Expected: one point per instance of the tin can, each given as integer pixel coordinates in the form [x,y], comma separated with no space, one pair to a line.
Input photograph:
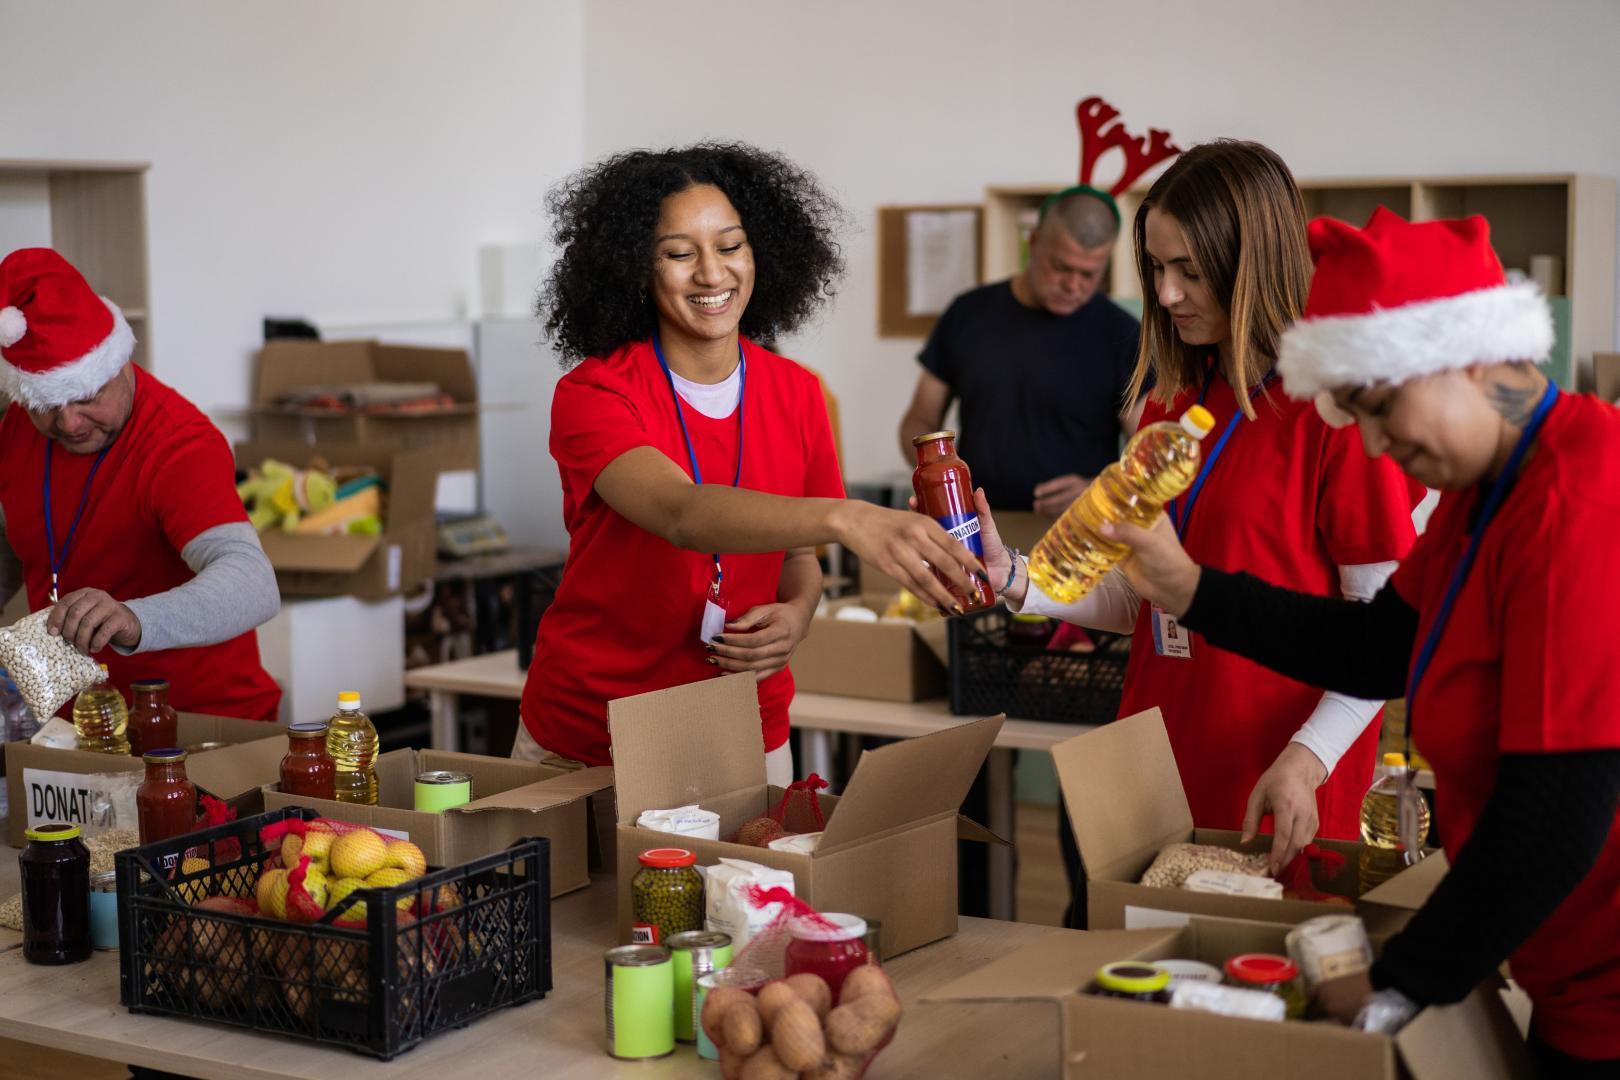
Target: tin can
[104,910]
[441,790]
[874,941]
[197,748]
[697,953]
[743,978]
[640,1002]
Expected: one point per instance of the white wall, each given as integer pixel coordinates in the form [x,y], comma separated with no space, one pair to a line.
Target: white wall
[913,101]
[341,161]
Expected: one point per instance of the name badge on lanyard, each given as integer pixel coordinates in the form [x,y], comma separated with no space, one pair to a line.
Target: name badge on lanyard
[713,622]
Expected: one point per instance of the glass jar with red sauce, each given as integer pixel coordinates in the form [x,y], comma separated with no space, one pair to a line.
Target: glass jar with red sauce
[307,769]
[153,723]
[831,945]
[166,802]
[944,490]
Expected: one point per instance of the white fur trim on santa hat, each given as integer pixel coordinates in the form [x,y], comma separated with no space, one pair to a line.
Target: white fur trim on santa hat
[74,381]
[1392,345]
[13,325]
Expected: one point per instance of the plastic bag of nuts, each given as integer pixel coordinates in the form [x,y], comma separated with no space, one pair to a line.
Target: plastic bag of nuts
[46,668]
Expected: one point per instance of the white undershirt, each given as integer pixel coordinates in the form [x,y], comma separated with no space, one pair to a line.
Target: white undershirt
[714,400]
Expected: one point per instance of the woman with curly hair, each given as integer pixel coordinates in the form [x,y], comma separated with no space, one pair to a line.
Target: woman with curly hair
[697,466]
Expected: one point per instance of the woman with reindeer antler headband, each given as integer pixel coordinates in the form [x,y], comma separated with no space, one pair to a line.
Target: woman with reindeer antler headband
[1224,264]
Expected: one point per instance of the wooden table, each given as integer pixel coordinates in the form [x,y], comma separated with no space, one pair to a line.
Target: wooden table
[76,1009]
[497,675]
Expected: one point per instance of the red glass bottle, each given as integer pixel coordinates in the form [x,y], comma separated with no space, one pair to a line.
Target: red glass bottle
[944,490]
[152,722]
[832,946]
[166,802]
[307,769]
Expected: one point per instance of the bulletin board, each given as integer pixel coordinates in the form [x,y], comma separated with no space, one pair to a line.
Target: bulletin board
[926,255]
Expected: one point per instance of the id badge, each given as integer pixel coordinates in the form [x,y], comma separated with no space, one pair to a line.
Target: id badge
[1170,638]
[1409,804]
[714,610]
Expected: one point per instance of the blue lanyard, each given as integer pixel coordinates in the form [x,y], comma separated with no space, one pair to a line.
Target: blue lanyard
[1180,520]
[59,558]
[1493,503]
[691,454]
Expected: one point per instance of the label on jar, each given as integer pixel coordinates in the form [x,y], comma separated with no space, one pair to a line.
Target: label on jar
[644,934]
[964,529]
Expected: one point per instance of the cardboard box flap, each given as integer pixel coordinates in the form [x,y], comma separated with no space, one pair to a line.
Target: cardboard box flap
[1410,889]
[1052,967]
[323,554]
[231,770]
[909,780]
[413,482]
[1476,1038]
[1122,788]
[968,829]
[1606,371]
[449,368]
[935,634]
[545,794]
[291,365]
[661,762]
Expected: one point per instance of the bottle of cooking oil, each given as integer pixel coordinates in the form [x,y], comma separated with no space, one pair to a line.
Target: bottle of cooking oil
[351,740]
[1383,857]
[1159,463]
[101,718]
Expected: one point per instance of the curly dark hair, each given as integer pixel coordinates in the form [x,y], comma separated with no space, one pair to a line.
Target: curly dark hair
[595,298]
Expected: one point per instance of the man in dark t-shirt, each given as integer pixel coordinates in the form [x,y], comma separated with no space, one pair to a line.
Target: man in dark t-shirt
[1041,364]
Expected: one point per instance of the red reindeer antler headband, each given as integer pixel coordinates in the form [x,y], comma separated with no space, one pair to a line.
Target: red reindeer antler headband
[1101,131]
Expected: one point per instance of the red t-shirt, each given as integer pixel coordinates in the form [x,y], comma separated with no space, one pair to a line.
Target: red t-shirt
[168,477]
[1289,500]
[1526,665]
[626,615]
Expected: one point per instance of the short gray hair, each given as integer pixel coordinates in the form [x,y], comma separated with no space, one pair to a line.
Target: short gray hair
[1086,219]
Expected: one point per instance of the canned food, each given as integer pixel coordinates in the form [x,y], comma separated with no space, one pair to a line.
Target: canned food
[639,999]
[697,953]
[743,978]
[197,748]
[104,910]
[441,790]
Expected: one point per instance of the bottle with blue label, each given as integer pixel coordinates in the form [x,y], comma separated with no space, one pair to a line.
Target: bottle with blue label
[944,490]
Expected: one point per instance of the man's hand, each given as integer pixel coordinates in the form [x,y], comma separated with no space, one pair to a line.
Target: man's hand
[91,620]
[1054,496]
[1288,791]
[761,639]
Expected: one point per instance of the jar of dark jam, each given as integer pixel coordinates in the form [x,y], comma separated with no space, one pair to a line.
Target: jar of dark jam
[55,895]
[1135,981]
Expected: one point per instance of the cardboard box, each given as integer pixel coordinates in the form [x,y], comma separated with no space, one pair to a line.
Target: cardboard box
[889,850]
[285,366]
[44,784]
[511,800]
[370,567]
[1108,1037]
[1126,803]
[891,660]
[1606,372]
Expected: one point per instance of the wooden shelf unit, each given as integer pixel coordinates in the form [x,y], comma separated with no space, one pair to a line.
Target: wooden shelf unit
[98,223]
[1568,215]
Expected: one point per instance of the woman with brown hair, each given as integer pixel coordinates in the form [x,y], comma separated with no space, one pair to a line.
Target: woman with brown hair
[1225,266]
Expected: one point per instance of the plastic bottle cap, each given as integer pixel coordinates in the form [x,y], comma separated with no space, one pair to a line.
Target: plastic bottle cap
[349,699]
[1131,977]
[1395,760]
[1197,421]
[1261,968]
[842,927]
[667,857]
[54,832]
[103,668]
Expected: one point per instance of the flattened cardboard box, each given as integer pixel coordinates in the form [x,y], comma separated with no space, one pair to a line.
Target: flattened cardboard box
[1108,1037]
[39,785]
[889,849]
[1126,802]
[370,567]
[452,434]
[512,799]
[891,660]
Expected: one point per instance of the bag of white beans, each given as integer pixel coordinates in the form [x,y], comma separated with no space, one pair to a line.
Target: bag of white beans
[46,668]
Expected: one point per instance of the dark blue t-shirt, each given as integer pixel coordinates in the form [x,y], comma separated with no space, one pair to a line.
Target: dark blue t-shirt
[1040,394]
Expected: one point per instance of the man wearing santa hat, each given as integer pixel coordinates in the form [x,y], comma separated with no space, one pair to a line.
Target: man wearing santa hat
[118,502]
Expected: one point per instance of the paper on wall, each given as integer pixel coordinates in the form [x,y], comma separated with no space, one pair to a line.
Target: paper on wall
[942,258]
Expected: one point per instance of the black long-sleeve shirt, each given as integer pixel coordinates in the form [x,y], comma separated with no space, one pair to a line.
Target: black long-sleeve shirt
[1365,650]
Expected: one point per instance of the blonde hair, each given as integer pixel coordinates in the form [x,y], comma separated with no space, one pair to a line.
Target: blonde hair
[1244,222]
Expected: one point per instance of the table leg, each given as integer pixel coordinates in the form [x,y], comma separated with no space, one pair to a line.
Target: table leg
[445,708]
[1002,812]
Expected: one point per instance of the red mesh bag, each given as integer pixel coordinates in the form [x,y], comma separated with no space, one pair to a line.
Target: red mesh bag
[1297,879]
[799,810]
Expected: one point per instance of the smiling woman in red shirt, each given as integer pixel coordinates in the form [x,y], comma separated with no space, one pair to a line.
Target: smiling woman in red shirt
[697,466]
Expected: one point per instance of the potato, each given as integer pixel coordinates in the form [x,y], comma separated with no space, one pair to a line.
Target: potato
[765,1065]
[720,999]
[742,1028]
[797,1038]
[864,981]
[883,1009]
[760,831]
[813,991]
[837,1067]
[731,1064]
[853,1029]
[771,1000]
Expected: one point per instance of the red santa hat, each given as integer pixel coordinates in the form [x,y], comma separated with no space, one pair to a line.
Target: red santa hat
[1399,299]
[59,341]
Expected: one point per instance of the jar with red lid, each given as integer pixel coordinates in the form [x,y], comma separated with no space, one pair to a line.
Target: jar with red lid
[307,769]
[1271,973]
[830,945]
[166,802]
[153,723]
[666,895]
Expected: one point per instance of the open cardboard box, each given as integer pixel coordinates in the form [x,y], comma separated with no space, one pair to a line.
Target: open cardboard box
[889,850]
[1126,803]
[369,567]
[1606,373]
[452,433]
[1108,1037]
[511,800]
[891,660]
[46,784]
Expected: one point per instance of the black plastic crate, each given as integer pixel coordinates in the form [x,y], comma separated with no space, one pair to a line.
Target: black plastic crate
[993,672]
[472,939]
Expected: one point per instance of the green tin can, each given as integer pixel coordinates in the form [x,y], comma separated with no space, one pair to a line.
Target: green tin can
[441,790]
[697,953]
[640,1002]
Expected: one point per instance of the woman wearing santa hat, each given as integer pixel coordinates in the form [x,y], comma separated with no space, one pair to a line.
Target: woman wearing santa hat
[118,504]
[1492,627]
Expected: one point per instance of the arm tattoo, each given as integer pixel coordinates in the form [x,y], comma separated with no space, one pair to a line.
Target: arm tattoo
[1516,403]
